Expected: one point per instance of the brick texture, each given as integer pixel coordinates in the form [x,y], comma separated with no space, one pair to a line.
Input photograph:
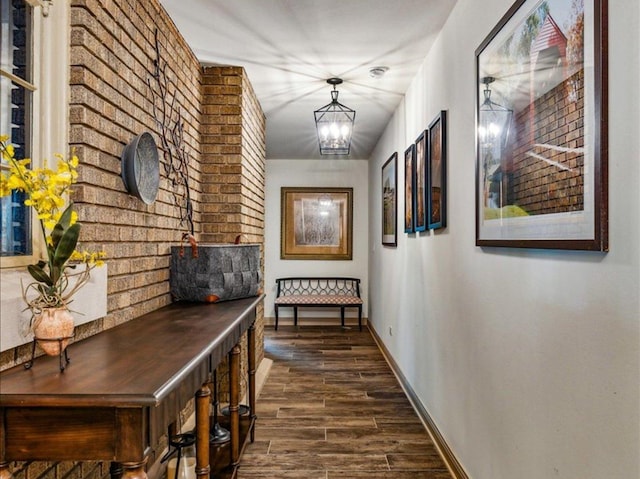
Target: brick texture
[233,170]
[111,64]
[544,180]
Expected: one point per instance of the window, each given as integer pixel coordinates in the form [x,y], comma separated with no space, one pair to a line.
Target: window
[16,107]
[34,106]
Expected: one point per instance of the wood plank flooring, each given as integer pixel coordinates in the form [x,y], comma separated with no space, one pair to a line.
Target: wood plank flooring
[331,408]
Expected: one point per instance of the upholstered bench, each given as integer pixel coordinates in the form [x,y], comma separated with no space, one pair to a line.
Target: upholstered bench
[318,292]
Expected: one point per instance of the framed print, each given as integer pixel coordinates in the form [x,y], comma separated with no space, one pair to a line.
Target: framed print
[316,223]
[420,212]
[409,188]
[541,127]
[389,201]
[437,172]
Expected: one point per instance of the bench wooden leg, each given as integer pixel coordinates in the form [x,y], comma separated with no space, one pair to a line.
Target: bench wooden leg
[342,315]
[276,317]
[360,317]
[295,315]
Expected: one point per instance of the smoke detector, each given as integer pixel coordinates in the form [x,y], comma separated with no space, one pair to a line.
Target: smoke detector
[378,72]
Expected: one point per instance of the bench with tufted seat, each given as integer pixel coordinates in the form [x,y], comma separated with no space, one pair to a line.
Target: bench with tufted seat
[318,292]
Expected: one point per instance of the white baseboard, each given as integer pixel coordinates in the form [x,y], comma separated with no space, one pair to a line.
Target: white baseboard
[443,448]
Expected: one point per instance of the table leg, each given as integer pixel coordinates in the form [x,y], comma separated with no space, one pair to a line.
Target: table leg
[234,399]
[134,470]
[202,432]
[251,342]
[115,470]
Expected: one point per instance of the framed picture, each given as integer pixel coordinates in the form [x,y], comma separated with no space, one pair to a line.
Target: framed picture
[409,188]
[420,212]
[316,223]
[437,172]
[389,201]
[541,126]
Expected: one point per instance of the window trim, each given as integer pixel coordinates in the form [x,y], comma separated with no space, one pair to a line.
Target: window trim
[50,105]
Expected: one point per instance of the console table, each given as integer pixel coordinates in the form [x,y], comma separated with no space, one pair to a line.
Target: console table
[123,390]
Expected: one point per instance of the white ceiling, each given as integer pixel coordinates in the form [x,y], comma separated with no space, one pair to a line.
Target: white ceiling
[289,48]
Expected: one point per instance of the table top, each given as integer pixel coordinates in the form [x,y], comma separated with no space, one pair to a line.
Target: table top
[135,364]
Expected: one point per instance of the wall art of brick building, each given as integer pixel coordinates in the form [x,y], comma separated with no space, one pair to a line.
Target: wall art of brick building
[546,174]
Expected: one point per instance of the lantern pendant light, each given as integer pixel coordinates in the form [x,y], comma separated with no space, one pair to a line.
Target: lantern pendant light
[334,124]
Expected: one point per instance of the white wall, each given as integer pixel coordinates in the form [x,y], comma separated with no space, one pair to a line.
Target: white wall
[316,173]
[89,304]
[527,360]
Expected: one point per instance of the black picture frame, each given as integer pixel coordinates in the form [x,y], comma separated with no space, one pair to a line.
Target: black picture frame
[409,188]
[421,201]
[542,170]
[437,172]
[390,201]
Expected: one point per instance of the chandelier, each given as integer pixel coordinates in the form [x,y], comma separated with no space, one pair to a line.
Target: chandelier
[334,124]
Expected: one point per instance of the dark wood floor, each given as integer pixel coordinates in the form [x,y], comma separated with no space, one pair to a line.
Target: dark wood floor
[331,408]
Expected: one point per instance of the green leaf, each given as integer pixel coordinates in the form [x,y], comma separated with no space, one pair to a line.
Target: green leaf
[36,271]
[56,235]
[65,219]
[61,226]
[66,246]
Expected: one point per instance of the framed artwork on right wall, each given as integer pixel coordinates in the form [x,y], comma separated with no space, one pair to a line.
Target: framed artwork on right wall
[437,172]
[409,189]
[389,201]
[421,200]
[542,127]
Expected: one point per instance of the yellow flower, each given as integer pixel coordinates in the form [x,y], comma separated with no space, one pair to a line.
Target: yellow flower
[8,152]
[45,189]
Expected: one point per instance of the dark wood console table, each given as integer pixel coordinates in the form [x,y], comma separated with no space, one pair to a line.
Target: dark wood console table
[124,387]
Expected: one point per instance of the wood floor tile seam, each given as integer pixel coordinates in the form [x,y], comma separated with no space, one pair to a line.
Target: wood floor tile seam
[357,427]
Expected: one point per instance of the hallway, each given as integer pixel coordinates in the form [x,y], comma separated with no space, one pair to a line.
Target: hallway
[332,408]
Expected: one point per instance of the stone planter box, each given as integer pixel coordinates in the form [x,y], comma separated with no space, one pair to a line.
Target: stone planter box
[220,272]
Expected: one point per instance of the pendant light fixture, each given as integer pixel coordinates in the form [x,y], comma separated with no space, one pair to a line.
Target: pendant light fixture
[494,121]
[334,124]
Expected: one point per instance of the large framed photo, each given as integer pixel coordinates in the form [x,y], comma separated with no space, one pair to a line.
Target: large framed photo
[389,201]
[409,188]
[316,223]
[437,172]
[541,165]
[420,212]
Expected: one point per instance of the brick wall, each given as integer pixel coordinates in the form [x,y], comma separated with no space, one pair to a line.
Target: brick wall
[112,62]
[233,168]
[112,58]
[557,184]
[233,152]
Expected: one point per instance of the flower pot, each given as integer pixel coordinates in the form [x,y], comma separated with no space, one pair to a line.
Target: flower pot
[52,330]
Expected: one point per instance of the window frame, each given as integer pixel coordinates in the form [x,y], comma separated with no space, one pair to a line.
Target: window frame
[49,112]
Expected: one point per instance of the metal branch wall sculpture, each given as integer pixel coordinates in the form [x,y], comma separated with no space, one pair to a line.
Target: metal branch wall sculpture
[168,117]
